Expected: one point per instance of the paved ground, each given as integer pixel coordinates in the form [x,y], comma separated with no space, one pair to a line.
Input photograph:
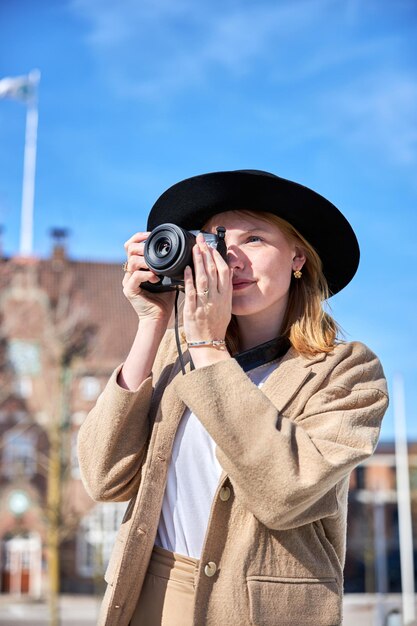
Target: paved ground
[371,610]
[74,611]
[360,610]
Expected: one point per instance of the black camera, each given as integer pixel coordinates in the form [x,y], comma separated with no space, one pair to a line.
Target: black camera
[168,250]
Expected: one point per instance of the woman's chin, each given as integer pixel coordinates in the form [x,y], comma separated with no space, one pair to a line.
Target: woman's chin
[240,309]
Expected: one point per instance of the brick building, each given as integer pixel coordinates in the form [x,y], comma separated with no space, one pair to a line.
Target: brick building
[65,325]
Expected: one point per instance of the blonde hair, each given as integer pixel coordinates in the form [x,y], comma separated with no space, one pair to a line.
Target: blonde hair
[310,329]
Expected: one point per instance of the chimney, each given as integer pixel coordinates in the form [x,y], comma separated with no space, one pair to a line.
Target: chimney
[59,238]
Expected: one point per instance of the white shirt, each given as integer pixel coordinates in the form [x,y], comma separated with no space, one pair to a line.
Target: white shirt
[193,477]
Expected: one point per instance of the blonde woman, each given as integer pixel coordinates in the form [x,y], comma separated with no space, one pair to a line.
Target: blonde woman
[237,463]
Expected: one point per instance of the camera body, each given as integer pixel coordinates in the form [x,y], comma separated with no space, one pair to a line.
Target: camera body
[168,250]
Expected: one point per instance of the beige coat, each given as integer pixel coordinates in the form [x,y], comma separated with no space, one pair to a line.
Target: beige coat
[277,533]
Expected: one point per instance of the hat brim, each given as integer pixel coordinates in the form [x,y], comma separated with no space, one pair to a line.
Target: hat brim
[193,201]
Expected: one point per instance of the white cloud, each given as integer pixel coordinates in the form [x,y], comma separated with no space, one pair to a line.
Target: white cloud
[379,112]
[328,73]
[113,23]
[154,46]
[374,113]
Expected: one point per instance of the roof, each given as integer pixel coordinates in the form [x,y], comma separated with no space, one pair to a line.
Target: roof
[75,295]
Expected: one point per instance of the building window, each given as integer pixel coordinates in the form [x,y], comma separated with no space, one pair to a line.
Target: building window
[78,418]
[19,454]
[25,357]
[23,386]
[360,477]
[21,565]
[89,387]
[96,537]
[75,467]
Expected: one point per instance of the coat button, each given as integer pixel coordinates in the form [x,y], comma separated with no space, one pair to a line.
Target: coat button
[224,494]
[210,569]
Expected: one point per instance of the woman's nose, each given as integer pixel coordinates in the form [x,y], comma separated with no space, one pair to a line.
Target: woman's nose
[234,258]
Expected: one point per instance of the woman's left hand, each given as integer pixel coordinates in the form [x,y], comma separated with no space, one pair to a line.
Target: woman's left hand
[208,299]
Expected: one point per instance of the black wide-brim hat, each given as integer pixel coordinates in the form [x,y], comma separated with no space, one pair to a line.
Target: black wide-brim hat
[193,201]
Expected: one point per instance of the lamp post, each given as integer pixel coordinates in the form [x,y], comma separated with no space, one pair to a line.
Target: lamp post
[404,504]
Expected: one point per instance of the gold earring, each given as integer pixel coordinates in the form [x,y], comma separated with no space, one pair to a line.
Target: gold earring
[297,274]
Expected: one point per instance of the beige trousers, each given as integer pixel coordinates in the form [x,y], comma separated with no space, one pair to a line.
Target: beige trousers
[167,596]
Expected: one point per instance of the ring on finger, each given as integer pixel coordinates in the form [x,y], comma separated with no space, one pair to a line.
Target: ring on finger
[125,266]
[205,292]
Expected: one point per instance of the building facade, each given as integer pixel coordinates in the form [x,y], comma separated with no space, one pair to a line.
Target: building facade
[65,326]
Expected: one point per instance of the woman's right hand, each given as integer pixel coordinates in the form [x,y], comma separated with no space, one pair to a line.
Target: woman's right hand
[149,306]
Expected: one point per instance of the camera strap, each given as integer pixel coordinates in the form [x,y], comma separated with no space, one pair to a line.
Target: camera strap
[262,354]
[177,336]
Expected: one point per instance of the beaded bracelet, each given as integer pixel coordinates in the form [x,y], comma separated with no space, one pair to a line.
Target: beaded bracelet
[219,344]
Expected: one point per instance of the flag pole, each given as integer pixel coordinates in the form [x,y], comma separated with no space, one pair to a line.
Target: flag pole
[29,168]
[404,503]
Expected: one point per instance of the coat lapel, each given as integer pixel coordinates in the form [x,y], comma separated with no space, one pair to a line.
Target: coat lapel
[288,378]
[285,381]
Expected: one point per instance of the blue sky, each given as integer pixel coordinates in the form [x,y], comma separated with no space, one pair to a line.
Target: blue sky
[138,94]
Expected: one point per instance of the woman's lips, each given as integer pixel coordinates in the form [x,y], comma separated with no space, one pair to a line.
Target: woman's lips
[241,284]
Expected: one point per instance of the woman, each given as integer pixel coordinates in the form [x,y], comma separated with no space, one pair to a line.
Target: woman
[237,470]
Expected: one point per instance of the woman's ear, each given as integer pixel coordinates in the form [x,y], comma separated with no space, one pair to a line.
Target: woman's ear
[299,258]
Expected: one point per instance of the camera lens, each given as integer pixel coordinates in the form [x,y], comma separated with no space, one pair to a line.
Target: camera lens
[168,250]
[162,247]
